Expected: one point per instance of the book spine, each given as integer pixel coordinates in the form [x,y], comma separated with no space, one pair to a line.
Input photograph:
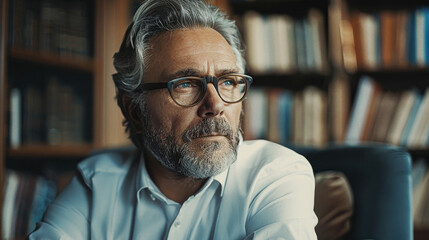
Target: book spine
[15,118]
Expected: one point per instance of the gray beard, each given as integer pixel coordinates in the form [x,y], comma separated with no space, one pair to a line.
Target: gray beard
[214,157]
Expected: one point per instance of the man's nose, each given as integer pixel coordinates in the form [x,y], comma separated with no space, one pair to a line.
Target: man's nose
[211,105]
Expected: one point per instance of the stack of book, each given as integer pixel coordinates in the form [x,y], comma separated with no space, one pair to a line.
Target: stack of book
[420,182]
[391,38]
[26,198]
[285,117]
[400,118]
[49,113]
[61,27]
[281,44]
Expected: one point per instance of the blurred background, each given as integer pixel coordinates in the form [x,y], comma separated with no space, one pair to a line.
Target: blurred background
[325,72]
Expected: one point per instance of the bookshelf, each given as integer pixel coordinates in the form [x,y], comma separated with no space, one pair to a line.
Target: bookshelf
[292,64]
[58,55]
[3,24]
[391,64]
[85,64]
[399,67]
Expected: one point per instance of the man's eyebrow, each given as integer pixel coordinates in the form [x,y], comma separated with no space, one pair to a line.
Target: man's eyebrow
[185,73]
[227,71]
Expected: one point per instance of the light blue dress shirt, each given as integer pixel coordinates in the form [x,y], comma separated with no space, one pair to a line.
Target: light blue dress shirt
[268,193]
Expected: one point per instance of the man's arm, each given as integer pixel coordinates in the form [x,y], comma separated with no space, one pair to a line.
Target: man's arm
[67,216]
[282,207]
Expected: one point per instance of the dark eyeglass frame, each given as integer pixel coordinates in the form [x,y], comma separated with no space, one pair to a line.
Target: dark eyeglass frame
[205,80]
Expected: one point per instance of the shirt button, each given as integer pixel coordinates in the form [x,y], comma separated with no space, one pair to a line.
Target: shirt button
[177,224]
[152,197]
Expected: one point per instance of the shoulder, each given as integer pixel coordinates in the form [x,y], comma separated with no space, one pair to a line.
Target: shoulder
[260,159]
[262,152]
[115,162]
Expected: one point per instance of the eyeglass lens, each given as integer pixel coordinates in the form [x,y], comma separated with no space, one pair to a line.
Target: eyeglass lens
[190,90]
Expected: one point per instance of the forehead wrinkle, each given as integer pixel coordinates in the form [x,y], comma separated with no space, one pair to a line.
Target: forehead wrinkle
[195,72]
[215,57]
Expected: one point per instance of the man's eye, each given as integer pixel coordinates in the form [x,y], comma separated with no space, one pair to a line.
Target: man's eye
[228,82]
[184,85]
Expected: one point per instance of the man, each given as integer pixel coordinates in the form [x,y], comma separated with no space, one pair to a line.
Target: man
[180,86]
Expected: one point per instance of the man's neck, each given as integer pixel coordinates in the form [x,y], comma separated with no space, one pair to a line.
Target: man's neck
[173,185]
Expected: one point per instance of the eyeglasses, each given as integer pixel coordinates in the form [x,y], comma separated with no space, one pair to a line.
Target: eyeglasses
[189,91]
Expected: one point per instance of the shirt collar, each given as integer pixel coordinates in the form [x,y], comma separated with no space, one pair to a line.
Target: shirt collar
[144,181]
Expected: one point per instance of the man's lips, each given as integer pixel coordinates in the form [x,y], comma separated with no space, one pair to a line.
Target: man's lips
[212,135]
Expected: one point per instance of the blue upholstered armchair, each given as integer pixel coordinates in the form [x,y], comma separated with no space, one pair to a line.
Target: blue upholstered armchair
[380,180]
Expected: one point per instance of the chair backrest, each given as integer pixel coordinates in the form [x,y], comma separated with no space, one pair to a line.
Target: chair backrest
[380,178]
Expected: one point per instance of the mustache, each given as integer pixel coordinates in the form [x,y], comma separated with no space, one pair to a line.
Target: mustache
[206,127]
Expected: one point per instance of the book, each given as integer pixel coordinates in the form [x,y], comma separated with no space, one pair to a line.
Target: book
[388,35]
[300,44]
[410,121]
[360,110]
[33,116]
[298,119]
[273,133]
[339,102]
[256,114]
[385,114]
[425,12]
[412,39]
[58,27]
[334,17]
[369,34]
[314,117]
[316,20]
[285,101]
[309,115]
[284,55]
[11,188]
[402,114]
[253,24]
[268,46]
[309,46]
[347,41]
[357,37]
[418,171]
[419,122]
[424,135]
[420,199]
[420,38]
[15,118]
[370,118]
[321,119]
[26,199]
[401,38]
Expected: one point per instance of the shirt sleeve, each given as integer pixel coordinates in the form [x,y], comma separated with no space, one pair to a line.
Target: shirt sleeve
[67,216]
[283,203]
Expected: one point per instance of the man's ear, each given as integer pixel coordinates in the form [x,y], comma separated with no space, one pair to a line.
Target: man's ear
[133,113]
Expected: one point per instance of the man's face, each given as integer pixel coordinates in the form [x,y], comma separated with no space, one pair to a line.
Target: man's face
[198,141]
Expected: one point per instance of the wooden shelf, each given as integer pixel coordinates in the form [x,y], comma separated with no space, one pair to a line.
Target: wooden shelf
[81,63]
[395,78]
[295,81]
[371,5]
[393,70]
[291,7]
[48,151]
[419,153]
[421,233]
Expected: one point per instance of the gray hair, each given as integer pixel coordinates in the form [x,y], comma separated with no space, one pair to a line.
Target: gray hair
[152,18]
